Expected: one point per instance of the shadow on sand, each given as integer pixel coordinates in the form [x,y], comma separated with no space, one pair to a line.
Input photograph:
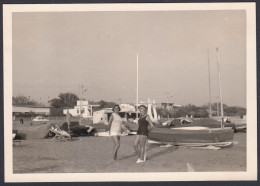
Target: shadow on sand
[164,151]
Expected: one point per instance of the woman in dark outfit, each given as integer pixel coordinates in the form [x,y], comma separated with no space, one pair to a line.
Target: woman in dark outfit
[144,126]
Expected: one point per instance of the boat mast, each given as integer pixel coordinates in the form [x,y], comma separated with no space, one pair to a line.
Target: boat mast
[218,109]
[220,90]
[80,103]
[137,86]
[210,111]
[68,120]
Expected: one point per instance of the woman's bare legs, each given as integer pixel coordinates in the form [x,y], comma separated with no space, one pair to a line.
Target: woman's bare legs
[136,146]
[143,146]
[116,140]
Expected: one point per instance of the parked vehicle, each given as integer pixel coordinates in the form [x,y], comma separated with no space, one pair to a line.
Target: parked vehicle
[39,120]
[75,129]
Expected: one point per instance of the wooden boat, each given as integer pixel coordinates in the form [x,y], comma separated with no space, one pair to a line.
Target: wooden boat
[192,135]
[196,135]
[240,127]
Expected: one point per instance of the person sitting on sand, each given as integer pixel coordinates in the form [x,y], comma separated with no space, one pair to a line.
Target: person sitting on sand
[116,125]
[145,124]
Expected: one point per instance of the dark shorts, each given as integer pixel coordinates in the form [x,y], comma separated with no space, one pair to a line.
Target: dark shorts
[145,133]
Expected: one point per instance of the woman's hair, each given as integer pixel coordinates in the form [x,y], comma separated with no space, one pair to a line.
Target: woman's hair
[116,106]
[143,106]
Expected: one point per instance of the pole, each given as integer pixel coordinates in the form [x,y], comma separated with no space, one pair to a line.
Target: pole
[167,107]
[218,109]
[137,86]
[68,120]
[80,106]
[220,91]
[210,110]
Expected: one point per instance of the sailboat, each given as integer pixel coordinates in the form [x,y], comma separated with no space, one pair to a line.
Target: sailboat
[150,103]
[196,135]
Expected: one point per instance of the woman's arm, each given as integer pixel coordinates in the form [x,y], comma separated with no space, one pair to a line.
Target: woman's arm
[110,122]
[124,128]
[150,127]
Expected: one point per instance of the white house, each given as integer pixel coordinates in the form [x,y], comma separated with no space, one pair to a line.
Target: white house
[86,109]
[102,116]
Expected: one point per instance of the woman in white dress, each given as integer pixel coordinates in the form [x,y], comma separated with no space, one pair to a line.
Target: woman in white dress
[116,126]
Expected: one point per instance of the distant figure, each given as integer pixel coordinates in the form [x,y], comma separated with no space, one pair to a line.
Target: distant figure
[115,128]
[145,124]
[21,120]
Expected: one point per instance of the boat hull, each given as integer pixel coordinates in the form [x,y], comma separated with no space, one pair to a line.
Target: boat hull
[189,135]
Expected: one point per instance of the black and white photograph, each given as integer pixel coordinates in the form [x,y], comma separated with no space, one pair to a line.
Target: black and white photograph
[130,92]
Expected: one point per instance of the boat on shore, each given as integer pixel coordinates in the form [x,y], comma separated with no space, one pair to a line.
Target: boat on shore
[195,135]
[198,134]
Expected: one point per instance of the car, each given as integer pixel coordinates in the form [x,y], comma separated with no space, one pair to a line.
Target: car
[40,118]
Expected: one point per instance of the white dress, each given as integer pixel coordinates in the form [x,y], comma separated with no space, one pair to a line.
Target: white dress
[116,125]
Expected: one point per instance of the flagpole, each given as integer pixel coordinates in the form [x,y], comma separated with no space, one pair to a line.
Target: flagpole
[137,86]
[218,108]
[220,91]
[80,103]
[210,110]
[68,120]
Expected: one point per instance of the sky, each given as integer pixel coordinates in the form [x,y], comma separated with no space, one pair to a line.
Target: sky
[55,52]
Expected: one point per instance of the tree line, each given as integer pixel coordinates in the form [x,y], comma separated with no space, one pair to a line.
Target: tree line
[69,100]
[201,111]
[25,101]
[64,100]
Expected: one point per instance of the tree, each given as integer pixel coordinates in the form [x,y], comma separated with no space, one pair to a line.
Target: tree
[57,103]
[162,112]
[64,100]
[201,113]
[102,104]
[235,111]
[25,101]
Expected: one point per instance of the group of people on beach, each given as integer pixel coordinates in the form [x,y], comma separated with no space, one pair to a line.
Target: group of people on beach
[144,126]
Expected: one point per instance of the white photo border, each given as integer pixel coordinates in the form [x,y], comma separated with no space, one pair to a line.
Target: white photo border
[250,174]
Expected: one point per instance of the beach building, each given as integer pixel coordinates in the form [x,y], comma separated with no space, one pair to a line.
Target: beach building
[170,105]
[82,109]
[102,116]
[31,109]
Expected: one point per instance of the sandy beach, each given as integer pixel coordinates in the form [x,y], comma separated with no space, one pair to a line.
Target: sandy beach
[94,154]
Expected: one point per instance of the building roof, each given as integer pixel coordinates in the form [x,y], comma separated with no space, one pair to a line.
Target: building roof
[31,106]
